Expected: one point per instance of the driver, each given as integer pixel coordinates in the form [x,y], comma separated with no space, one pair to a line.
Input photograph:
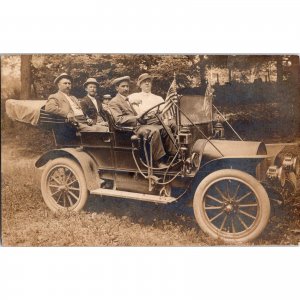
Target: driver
[145,99]
[124,114]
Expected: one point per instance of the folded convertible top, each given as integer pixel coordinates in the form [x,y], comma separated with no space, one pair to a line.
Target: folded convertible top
[27,111]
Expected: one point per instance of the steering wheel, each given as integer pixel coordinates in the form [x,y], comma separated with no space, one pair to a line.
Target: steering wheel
[143,120]
[146,116]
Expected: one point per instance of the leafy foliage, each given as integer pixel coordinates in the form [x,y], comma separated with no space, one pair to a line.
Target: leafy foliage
[107,67]
[10,73]
[246,79]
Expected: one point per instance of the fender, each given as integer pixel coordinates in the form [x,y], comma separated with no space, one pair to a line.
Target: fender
[86,162]
[247,164]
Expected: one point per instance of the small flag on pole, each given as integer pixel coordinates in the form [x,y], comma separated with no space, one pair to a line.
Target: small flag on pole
[207,105]
[172,92]
[169,110]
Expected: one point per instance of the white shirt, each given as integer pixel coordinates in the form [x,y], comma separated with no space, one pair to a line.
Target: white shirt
[94,102]
[76,109]
[148,100]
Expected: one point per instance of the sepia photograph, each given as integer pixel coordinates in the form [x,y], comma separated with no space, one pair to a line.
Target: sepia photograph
[150,150]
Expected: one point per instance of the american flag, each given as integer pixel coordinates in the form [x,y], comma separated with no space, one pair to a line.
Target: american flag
[207,105]
[169,110]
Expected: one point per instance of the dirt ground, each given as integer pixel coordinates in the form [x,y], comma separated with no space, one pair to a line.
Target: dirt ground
[26,221]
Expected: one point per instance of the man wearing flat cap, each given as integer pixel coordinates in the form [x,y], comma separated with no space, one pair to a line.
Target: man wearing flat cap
[120,106]
[91,107]
[105,100]
[65,105]
[145,99]
[125,115]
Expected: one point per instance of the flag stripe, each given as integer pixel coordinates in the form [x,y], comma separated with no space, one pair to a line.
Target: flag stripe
[169,110]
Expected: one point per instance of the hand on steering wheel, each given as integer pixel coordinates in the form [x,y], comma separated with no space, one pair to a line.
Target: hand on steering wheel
[143,117]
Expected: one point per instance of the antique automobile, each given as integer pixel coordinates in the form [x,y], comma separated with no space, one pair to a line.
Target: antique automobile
[231,183]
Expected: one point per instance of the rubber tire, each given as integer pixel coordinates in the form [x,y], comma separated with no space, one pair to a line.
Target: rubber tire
[253,184]
[74,166]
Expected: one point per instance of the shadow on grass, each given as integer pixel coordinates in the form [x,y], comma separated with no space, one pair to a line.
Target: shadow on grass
[143,212]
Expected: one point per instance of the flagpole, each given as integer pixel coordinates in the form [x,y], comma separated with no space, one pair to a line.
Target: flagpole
[177,111]
[227,123]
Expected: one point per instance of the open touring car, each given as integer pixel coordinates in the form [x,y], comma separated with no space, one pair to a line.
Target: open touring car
[227,180]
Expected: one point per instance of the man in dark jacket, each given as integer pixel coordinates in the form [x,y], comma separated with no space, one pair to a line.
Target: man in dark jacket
[125,115]
[91,107]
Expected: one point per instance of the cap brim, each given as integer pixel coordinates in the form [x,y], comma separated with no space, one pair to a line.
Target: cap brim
[118,80]
[86,83]
[62,77]
[148,77]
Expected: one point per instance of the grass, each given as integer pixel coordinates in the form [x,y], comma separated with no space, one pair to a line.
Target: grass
[104,222]
[26,220]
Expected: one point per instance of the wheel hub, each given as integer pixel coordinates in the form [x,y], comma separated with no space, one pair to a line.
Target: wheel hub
[228,208]
[64,188]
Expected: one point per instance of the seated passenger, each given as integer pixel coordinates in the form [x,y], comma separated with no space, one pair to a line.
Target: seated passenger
[65,105]
[91,107]
[105,101]
[125,115]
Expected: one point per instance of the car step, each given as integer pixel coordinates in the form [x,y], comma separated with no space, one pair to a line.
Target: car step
[133,196]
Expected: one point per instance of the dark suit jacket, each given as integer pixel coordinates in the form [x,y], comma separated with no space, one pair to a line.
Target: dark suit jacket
[90,110]
[58,104]
[122,112]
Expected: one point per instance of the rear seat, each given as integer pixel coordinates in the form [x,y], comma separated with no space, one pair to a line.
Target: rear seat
[65,133]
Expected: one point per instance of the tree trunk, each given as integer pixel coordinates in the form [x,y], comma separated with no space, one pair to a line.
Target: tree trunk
[229,74]
[26,77]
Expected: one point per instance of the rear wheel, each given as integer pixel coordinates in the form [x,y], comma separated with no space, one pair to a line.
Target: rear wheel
[231,205]
[63,185]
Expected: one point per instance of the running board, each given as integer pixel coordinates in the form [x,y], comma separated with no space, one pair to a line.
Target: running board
[133,196]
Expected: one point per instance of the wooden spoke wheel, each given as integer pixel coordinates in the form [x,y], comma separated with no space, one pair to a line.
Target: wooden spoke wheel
[63,185]
[231,205]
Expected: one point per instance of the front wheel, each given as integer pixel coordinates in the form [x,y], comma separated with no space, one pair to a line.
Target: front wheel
[63,185]
[231,205]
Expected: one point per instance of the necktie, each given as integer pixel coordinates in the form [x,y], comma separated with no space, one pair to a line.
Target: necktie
[134,111]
